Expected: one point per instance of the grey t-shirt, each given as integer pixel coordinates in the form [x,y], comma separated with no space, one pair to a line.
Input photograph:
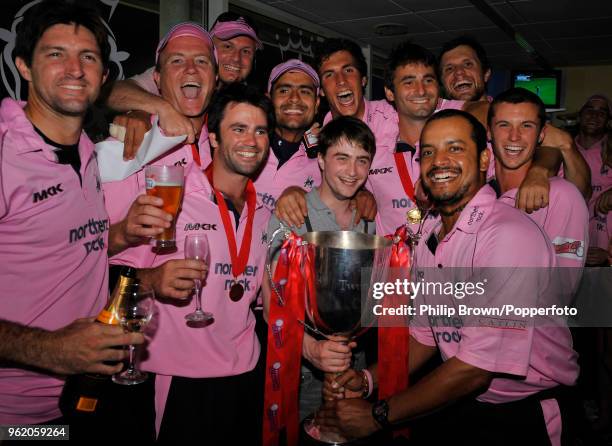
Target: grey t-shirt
[321,219]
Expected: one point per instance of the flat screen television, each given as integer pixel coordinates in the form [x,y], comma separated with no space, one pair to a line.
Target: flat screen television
[546,84]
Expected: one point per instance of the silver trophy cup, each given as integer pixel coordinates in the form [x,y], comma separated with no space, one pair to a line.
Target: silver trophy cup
[346,265]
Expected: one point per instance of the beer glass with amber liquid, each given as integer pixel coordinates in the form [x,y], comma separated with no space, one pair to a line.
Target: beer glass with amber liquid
[166,182]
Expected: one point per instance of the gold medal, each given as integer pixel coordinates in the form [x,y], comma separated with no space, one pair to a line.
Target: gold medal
[414,216]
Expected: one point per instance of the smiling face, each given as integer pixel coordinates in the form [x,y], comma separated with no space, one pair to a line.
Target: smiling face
[416,91]
[243,141]
[342,85]
[235,58]
[66,71]
[295,100]
[594,117]
[451,169]
[515,131]
[462,74]
[345,167]
[187,75]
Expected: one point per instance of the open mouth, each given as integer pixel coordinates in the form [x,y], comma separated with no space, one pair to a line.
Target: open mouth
[247,154]
[348,181]
[463,86]
[513,150]
[191,90]
[231,68]
[443,176]
[345,97]
[293,111]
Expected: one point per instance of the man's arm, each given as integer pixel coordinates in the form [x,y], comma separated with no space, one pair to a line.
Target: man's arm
[557,147]
[81,347]
[174,279]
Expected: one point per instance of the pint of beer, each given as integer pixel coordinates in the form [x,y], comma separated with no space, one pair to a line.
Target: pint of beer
[166,182]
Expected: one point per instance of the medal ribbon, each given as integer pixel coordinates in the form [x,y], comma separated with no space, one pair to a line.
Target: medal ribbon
[404,175]
[294,271]
[239,260]
[393,331]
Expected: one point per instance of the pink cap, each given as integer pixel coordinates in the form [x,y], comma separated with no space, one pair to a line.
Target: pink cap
[186,29]
[290,65]
[235,28]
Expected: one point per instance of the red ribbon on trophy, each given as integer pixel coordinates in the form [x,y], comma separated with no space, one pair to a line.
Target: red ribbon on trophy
[294,271]
[393,332]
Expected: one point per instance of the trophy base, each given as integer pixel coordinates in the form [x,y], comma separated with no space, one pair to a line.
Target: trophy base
[312,436]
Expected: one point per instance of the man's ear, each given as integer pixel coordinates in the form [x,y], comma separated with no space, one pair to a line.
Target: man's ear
[321,161]
[23,68]
[487,75]
[317,103]
[364,81]
[157,79]
[389,95]
[485,159]
[212,139]
[542,135]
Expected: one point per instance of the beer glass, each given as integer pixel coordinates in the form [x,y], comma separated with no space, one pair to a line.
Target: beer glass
[166,182]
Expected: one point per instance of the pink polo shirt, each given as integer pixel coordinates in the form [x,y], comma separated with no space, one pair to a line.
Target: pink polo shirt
[565,221]
[601,181]
[384,181]
[54,234]
[299,170]
[486,235]
[121,194]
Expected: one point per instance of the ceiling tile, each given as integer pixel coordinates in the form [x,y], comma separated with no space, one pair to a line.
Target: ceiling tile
[431,5]
[575,28]
[366,28]
[553,10]
[459,18]
[340,10]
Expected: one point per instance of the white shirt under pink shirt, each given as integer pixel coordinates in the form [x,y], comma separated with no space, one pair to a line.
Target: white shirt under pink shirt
[54,232]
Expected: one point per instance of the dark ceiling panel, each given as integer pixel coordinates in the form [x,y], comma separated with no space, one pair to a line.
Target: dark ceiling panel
[453,19]
[431,5]
[554,10]
[340,10]
[366,28]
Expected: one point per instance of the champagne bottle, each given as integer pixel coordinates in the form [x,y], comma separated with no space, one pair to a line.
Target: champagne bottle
[81,394]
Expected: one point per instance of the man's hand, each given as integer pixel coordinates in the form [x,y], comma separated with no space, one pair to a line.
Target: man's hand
[557,138]
[365,204]
[144,219]
[534,191]
[348,385]
[175,278]
[603,205]
[136,124]
[352,417]
[174,123]
[291,206]
[84,345]
[328,355]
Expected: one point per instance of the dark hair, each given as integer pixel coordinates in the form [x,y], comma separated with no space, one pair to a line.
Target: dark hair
[48,13]
[518,96]
[242,94]
[324,50]
[350,129]
[408,53]
[478,134]
[472,43]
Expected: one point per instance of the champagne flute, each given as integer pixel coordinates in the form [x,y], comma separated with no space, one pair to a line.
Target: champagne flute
[196,248]
[134,313]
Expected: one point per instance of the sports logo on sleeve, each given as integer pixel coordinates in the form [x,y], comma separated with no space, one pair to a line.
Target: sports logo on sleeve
[569,248]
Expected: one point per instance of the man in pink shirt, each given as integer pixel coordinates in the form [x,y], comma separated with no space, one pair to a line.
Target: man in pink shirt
[519,375]
[594,144]
[293,87]
[464,69]
[54,228]
[206,379]
[516,126]
[236,43]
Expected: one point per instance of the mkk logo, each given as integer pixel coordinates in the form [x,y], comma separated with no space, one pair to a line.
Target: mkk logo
[381,170]
[182,162]
[48,192]
[202,226]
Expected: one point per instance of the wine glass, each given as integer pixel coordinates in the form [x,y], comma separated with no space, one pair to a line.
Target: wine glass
[134,313]
[196,248]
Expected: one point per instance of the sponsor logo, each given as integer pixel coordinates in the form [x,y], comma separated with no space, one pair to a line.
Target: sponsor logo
[401,203]
[381,170]
[264,237]
[570,248]
[475,216]
[182,162]
[267,200]
[47,193]
[200,226]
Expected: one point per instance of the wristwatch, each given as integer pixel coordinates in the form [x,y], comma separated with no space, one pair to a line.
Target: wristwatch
[380,412]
